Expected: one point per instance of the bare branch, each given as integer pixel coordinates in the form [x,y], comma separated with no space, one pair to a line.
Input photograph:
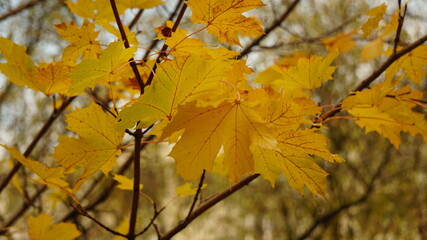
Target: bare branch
[20,9]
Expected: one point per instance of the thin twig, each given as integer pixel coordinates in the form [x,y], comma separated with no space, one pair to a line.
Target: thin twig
[20,9]
[126,43]
[399,26]
[155,41]
[135,19]
[136,181]
[207,205]
[165,47]
[196,197]
[151,223]
[273,26]
[55,114]
[83,212]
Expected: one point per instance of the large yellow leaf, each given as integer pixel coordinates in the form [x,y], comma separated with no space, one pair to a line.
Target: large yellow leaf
[224,19]
[19,65]
[52,78]
[95,149]
[234,125]
[387,111]
[175,83]
[83,41]
[41,227]
[100,71]
[295,148]
[309,73]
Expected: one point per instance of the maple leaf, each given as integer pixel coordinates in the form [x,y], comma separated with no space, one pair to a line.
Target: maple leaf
[387,111]
[94,9]
[83,41]
[186,189]
[224,19]
[375,16]
[103,70]
[50,176]
[413,65]
[41,227]
[372,50]
[140,4]
[309,73]
[112,29]
[19,65]
[341,42]
[175,83]
[97,146]
[125,183]
[52,78]
[234,125]
[295,146]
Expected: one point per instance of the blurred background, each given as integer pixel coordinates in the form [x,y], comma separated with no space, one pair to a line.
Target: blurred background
[379,192]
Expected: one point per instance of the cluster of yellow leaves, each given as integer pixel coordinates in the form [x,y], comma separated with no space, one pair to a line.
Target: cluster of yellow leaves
[388,111]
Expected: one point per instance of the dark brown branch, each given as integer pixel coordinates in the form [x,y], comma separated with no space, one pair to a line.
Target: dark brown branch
[212,201]
[20,9]
[83,212]
[367,81]
[165,47]
[126,43]
[136,181]
[399,26]
[135,19]
[273,26]
[155,41]
[55,114]
[196,197]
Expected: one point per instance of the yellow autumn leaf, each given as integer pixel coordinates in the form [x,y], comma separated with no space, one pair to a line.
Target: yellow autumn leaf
[309,73]
[19,65]
[123,228]
[113,30]
[295,146]
[341,42]
[52,78]
[140,4]
[375,16]
[372,50]
[95,149]
[175,83]
[100,71]
[125,183]
[82,41]
[41,227]
[387,111]
[224,19]
[93,9]
[51,176]
[186,189]
[233,125]
[413,65]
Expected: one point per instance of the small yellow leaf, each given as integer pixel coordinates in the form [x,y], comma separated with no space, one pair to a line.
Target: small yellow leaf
[83,41]
[186,189]
[94,9]
[341,43]
[125,183]
[123,228]
[376,14]
[41,227]
[224,19]
[100,71]
[372,50]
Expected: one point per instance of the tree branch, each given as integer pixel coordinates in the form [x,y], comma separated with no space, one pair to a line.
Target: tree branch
[126,43]
[212,201]
[20,9]
[136,181]
[273,26]
[367,81]
[196,197]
